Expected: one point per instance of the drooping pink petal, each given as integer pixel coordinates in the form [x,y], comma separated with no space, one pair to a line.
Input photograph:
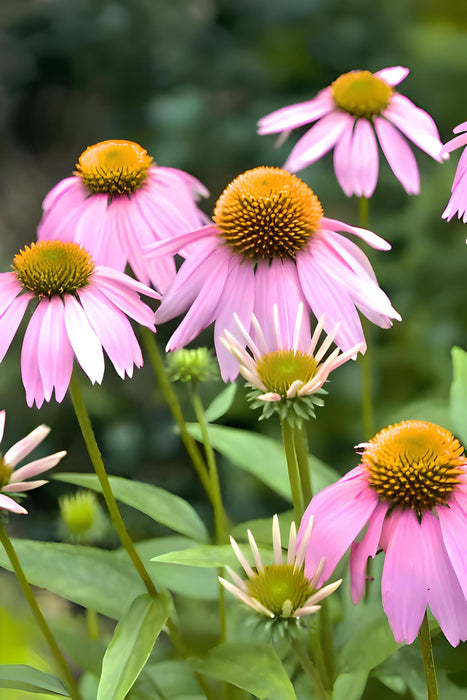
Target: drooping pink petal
[173,245]
[460,127]
[416,124]
[23,486]
[298,114]
[113,330]
[84,341]
[9,290]
[350,254]
[453,523]
[237,297]
[445,596]
[30,372]
[456,142]
[25,446]
[2,424]
[10,320]
[461,169]
[361,551]
[318,140]
[54,352]
[8,503]
[343,162]
[324,298]
[127,300]
[351,503]
[278,283]
[404,580]
[392,76]
[38,466]
[399,155]
[195,186]
[364,157]
[368,236]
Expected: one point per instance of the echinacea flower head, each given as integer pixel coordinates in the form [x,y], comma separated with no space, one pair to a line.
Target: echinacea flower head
[270,244]
[81,311]
[12,480]
[458,201]
[117,201]
[359,110]
[286,378]
[410,493]
[279,591]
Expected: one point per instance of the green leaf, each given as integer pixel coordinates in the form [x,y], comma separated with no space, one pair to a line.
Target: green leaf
[160,505]
[350,686]
[261,456]
[131,645]
[211,556]
[221,404]
[93,578]
[458,395]
[172,678]
[255,668]
[431,410]
[30,679]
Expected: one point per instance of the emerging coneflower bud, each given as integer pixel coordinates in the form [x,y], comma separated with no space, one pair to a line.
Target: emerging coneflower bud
[197,365]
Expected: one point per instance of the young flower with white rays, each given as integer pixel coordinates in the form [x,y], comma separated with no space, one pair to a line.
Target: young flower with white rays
[82,310]
[352,115]
[287,377]
[270,244]
[12,480]
[118,201]
[280,591]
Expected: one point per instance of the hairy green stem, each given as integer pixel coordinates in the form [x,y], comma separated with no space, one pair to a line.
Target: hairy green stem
[60,660]
[301,450]
[173,403]
[292,466]
[327,641]
[428,660]
[96,460]
[310,670]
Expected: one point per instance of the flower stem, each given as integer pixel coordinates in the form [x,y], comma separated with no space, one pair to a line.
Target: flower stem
[170,396]
[310,670]
[327,642]
[365,360]
[301,450]
[60,660]
[428,660]
[292,466]
[96,460]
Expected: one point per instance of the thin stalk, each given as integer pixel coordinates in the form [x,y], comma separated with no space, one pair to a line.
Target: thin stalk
[310,670]
[173,403]
[301,450]
[60,660]
[96,460]
[316,653]
[327,641]
[428,660]
[365,360]
[292,466]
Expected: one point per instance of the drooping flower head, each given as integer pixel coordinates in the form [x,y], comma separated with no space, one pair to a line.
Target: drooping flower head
[287,378]
[81,311]
[12,480]
[410,490]
[458,201]
[280,591]
[117,202]
[270,244]
[359,110]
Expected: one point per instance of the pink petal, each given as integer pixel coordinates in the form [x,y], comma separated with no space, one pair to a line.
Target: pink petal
[194,185]
[364,158]
[458,201]
[113,330]
[460,127]
[85,343]
[173,245]
[126,300]
[392,76]
[298,114]
[9,290]
[445,597]
[10,320]
[30,372]
[368,547]
[2,424]
[404,580]
[340,512]
[23,486]
[55,354]
[318,140]
[363,233]
[237,297]
[416,124]
[453,523]
[25,446]
[38,466]
[456,142]
[399,155]
[8,503]
[343,163]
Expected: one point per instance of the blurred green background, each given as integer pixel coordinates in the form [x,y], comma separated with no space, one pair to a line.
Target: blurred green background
[188,79]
